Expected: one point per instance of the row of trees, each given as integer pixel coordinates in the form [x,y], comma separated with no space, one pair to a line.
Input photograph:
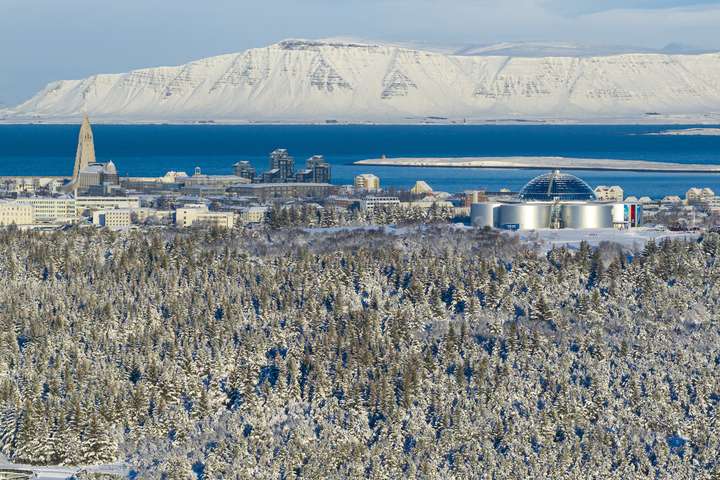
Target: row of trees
[308,215]
[348,354]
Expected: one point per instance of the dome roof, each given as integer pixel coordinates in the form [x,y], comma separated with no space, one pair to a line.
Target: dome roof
[557,185]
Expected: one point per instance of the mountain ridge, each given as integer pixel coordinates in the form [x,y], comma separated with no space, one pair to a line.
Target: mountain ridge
[320,80]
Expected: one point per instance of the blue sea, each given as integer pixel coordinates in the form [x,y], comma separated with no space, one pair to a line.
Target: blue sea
[151,150]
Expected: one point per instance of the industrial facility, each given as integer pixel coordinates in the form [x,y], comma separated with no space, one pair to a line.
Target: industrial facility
[555,200]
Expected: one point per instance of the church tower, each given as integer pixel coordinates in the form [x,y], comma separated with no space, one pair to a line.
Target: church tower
[85,150]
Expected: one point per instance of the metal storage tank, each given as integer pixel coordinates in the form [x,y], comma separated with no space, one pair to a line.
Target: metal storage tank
[484,214]
[524,216]
[587,215]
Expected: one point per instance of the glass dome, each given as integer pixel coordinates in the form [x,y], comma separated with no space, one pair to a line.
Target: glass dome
[556,185]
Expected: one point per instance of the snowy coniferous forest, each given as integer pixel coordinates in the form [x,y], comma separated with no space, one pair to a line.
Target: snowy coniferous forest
[427,353]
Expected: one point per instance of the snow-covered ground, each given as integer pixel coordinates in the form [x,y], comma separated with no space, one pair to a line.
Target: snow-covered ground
[633,239]
[690,131]
[542,163]
[57,472]
[307,81]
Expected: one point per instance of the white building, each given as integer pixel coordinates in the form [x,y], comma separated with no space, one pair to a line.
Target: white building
[609,194]
[83,204]
[143,214]
[370,203]
[172,177]
[14,213]
[367,182]
[194,214]
[52,209]
[421,188]
[113,218]
[31,185]
[671,199]
[699,195]
[253,214]
[428,203]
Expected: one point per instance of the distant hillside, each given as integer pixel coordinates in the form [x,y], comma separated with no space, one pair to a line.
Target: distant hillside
[320,80]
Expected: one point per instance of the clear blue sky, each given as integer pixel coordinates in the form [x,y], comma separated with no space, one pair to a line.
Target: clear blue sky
[45,40]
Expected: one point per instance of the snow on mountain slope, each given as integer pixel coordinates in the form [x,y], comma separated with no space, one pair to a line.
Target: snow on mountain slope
[299,80]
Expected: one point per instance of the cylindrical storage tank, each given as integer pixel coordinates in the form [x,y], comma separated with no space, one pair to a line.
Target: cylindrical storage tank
[524,216]
[484,214]
[587,215]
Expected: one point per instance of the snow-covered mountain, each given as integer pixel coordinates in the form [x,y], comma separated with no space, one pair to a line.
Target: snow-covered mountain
[299,80]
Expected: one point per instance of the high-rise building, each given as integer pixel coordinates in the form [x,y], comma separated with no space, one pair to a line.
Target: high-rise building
[367,182]
[320,169]
[244,169]
[317,170]
[282,167]
[85,154]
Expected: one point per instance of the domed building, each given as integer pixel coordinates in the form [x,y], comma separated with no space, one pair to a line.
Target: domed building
[555,200]
[554,186]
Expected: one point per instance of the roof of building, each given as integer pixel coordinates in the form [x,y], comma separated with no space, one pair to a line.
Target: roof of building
[556,185]
[420,187]
[260,186]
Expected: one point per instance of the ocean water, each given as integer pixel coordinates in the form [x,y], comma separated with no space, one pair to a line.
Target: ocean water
[151,150]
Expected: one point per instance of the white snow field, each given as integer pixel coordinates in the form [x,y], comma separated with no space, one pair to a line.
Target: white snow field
[317,81]
[534,162]
[708,132]
[57,472]
[633,239]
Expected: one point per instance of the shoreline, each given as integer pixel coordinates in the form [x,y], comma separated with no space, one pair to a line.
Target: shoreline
[670,121]
[542,163]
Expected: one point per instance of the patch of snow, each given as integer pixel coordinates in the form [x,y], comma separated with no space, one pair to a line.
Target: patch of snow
[633,239]
[541,162]
[690,131]
[55,472]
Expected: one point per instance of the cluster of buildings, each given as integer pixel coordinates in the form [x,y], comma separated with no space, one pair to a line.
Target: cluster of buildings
[97,194]
[282,170]
[678,212]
